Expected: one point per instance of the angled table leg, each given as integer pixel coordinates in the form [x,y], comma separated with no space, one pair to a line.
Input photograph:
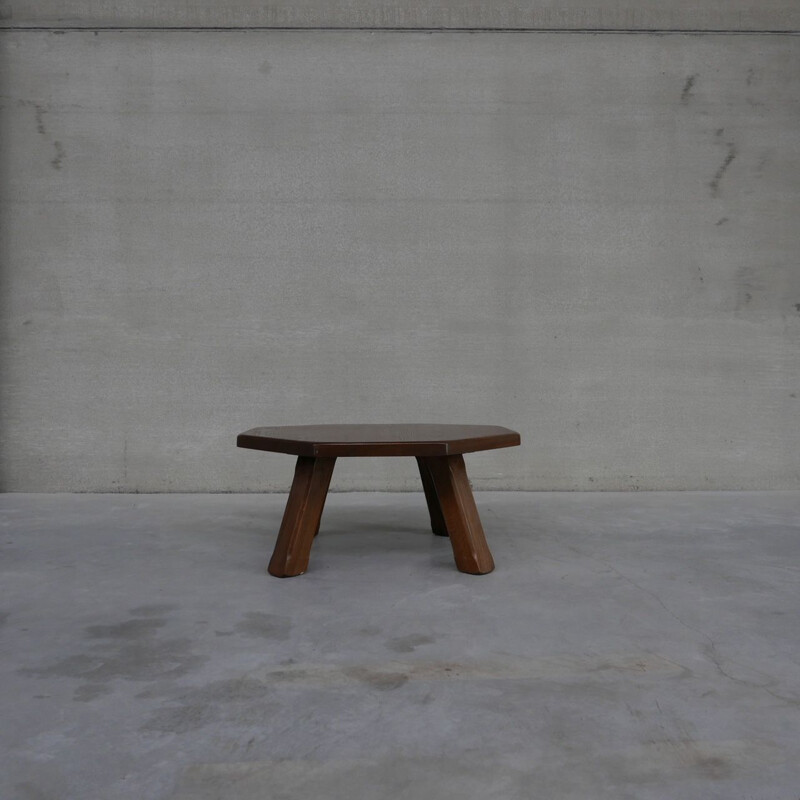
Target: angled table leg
[460,514]
[312,476]
[434,509]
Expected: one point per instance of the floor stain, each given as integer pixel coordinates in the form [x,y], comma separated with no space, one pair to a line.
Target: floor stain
[377,679]
[128,650]
[89,691]
[714,761]
[265,626]
[27,791]
[181,719]
[233,701]
[400,777]
[234,690]
[387,674]
[152,610]
[250,698]
[407,644]
[130,629]
[573,774]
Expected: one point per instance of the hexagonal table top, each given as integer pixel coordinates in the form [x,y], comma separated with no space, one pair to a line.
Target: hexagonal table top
[417,439]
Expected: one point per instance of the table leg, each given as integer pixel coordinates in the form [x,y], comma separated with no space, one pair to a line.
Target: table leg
[434,509]
[460,514]
[312,476]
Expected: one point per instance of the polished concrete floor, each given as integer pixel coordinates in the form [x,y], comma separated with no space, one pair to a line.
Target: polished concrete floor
[627,646]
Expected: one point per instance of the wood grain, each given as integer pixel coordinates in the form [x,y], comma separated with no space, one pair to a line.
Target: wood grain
[312,477]
[460,514]
[431,498]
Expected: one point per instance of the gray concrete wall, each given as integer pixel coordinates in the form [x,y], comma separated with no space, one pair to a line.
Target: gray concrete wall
[592,238]
[705,15]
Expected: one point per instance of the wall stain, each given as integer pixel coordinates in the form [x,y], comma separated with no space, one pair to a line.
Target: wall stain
[764,287]
[718,175]
[39,112]
[721,221]
[748,280]
[687,89]
[750,75]
[59,156]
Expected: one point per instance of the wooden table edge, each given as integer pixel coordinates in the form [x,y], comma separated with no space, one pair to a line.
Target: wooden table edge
[377,449]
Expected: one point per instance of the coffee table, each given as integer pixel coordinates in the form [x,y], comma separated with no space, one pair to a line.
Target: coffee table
[439,452]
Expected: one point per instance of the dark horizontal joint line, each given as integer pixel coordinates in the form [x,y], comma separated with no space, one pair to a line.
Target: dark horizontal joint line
[343,29]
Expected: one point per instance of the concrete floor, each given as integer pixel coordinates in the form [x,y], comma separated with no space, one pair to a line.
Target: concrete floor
[627,646]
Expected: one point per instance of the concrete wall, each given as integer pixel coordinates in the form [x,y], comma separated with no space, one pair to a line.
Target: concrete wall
[671,15]
[592,238]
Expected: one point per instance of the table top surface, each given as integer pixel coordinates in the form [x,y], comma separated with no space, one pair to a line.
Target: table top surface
[417,439]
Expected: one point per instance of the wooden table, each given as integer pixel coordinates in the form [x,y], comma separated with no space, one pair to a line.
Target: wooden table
[439,452]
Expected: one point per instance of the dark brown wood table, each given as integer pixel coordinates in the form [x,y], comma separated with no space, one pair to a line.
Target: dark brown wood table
[439,452]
